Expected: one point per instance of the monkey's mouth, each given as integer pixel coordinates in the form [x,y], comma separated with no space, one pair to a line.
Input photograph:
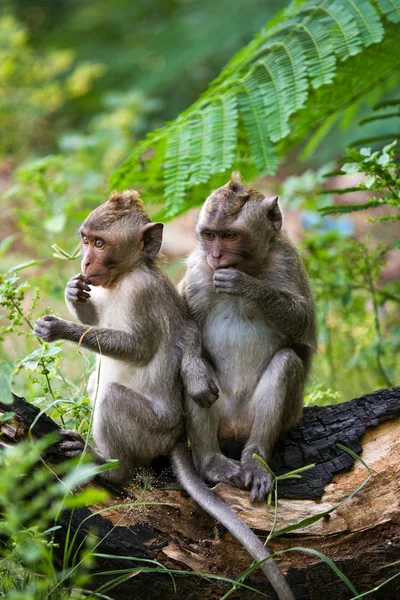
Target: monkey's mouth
[230,266]
[94,276]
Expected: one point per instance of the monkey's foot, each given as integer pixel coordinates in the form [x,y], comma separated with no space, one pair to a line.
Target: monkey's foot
[73,443]
[256,478]
[218,468]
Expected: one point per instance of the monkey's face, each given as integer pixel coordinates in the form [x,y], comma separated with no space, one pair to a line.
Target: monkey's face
[110,253]
[102,262]
[225,248]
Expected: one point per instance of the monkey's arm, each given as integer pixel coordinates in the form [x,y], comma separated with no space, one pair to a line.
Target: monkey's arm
[77,299]
[130,346]
[287,311]
[194,369]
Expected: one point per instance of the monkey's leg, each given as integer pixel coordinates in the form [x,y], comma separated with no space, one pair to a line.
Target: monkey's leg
[134,429]
[202,425]
[275,405]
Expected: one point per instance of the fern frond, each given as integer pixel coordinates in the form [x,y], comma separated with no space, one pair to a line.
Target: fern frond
[367,19]
[200,147]
[224,120]
[317,46]
[344,29]
[348,208]
[296,78]
[281,77]
[254,117]
[391,9]
[176,168]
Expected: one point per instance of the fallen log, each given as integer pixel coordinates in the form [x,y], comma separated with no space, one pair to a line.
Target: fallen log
[361,535]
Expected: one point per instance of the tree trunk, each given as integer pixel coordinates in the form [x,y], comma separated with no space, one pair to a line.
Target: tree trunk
[362,536]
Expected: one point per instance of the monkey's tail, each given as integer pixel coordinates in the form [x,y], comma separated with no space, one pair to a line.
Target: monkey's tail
[214,506]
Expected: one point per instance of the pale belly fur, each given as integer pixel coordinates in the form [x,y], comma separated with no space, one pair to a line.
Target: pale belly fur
[152,380]
[241,345]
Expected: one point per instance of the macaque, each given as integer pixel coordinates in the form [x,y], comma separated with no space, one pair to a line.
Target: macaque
[148,352]
[248,291]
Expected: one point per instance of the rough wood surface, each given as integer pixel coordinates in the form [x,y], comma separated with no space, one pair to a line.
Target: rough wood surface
[362,535]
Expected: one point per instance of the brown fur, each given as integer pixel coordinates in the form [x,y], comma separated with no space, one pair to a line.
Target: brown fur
[120,205]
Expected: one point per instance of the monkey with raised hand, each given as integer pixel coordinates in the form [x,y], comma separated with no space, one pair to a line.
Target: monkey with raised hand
[135,321]
[247,289]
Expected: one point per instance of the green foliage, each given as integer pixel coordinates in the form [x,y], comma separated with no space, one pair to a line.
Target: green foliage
[33,86]
[382,176]
[290,78]
[68,403]
[355,312]
[30,507]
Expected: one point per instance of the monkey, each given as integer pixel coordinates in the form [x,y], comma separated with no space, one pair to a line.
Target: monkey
[247,289]
[149,351]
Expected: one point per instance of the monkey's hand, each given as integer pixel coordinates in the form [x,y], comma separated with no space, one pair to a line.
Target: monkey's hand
[77,290]
[257,479]
[50,328]
[231,281]
[202,390]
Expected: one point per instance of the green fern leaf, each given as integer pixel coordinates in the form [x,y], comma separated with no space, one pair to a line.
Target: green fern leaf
[390,8]
[367,19]
[200,147]
[224,122]
[254,118]
[344,30]
[282,79]
[313,33]
[299,75]
[176,169]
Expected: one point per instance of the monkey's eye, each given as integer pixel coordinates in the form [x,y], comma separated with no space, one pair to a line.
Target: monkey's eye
[99,243]
[84,239]
[209,235]
[230,235]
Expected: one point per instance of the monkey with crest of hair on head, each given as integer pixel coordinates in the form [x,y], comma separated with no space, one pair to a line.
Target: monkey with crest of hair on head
[248,291]
[147,346]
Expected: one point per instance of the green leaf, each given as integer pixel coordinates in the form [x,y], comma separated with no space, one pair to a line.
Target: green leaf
[7,416]
[224,119]
[368,22]
[254,117]
[176,168]
[391,8]
[330,563]
[6,370]
[6,243]
[25,265]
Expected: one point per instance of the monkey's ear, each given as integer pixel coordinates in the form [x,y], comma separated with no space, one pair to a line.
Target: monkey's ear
[150,238]
[273,211]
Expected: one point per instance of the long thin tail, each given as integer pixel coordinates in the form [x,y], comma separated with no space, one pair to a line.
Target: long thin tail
[198,490]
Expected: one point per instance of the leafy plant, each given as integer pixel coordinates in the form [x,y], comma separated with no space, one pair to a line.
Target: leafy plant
[292,77]
[65,401]
[382,176]
[31,499]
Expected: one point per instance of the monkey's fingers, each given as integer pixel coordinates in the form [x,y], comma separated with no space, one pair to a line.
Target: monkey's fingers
[79,279]
[77,295]
[72,448]
[72,434]
[43,330]
[259,482]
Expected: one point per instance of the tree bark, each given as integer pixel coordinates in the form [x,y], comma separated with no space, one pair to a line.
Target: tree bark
[362,535]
